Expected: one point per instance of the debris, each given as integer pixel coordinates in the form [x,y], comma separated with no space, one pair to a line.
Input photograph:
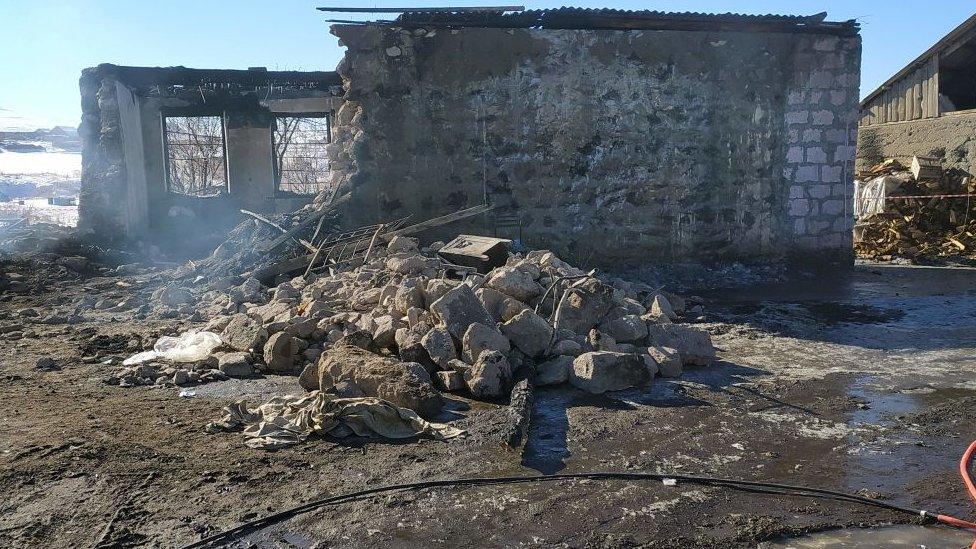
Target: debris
[519,413]
[481,252]
[925,168]
[288,420]
[916,218]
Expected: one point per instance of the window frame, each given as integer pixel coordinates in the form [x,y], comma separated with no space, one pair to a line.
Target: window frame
[193,113]
[329,117]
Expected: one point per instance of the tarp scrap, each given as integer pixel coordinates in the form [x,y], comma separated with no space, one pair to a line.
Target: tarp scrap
[288,420]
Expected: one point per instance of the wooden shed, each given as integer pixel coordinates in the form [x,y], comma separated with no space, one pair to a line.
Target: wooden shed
[940,81]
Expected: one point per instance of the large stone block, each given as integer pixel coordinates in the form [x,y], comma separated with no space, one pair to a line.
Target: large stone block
[602,371]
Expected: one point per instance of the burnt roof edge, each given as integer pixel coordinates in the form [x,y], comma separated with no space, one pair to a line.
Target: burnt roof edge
[179,75]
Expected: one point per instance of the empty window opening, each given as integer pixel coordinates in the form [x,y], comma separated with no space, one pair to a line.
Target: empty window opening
[957,77]
[300,162]
[195,155]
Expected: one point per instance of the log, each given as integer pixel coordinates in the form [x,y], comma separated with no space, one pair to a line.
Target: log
[519,414]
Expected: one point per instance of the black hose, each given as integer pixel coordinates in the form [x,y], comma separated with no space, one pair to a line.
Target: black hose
[752,486]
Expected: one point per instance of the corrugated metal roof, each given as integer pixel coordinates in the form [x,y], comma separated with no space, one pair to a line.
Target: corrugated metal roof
[605,18]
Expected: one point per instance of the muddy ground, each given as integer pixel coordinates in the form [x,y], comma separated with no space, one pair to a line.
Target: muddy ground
[863,383]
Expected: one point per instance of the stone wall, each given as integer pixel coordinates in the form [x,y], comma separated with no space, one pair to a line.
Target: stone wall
[821,122]
[951,137]
[102,160]
[609,146]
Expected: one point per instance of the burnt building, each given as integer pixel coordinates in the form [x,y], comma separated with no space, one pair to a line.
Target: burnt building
[173,154]
[928,108]
[607,136]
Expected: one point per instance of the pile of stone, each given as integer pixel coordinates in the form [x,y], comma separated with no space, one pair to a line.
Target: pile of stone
[168,374]
[399,328]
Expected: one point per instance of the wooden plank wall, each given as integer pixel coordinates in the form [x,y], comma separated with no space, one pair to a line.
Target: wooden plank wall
[912,97]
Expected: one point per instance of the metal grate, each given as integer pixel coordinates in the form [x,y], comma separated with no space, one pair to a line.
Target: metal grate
[300,161]
[195,155]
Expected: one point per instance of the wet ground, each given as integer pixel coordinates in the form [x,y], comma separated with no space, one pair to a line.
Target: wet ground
[864,383]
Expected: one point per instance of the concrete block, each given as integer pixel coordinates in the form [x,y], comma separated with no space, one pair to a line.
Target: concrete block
[822,79]
[795,98]
[841,189]
[830,174]
[837,136]
[811,135]
[808,173]
[816,155]
[814,98]
[799,207]
[819,191]
[844,153]
[838,97]
[800,226]
[794,155]
[822,118]
[832,207]
[797,117]
[797,191]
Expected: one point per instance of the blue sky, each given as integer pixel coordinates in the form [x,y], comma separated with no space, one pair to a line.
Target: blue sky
[44,44]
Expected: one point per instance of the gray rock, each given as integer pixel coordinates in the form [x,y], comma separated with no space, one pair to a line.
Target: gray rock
[553,371]
[668,360]
[600,341]
[358,338]
[626,328]
[409,342]
[400,244]
[489,376]
[279,353]
[405,384]
[694,345]
[583,305]
[500,306]
[237,364]
[567,347]
[479,338]
[450,380]
[661,306]
[460,308]
[302,326]
[384,336]
[440,346]
[407,297]
[47,363]
[243,333]
[515,283]
[181,377]
[529,332]
[602,371]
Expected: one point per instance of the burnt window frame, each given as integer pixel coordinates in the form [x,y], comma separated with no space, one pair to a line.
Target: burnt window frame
[329,117]
[165,113]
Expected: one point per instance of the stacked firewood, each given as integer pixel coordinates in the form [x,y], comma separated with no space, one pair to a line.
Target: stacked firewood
[928,218]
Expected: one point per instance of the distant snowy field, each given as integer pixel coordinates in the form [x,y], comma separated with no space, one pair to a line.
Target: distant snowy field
[58,163]
[41,168]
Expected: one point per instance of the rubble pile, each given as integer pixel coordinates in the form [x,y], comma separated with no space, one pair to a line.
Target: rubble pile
[937,221]
[405,326]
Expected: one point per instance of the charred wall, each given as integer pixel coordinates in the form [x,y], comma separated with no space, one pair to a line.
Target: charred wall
[125,194]
[609,146]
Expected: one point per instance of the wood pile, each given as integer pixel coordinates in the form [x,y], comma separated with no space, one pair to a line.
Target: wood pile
[928,219]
